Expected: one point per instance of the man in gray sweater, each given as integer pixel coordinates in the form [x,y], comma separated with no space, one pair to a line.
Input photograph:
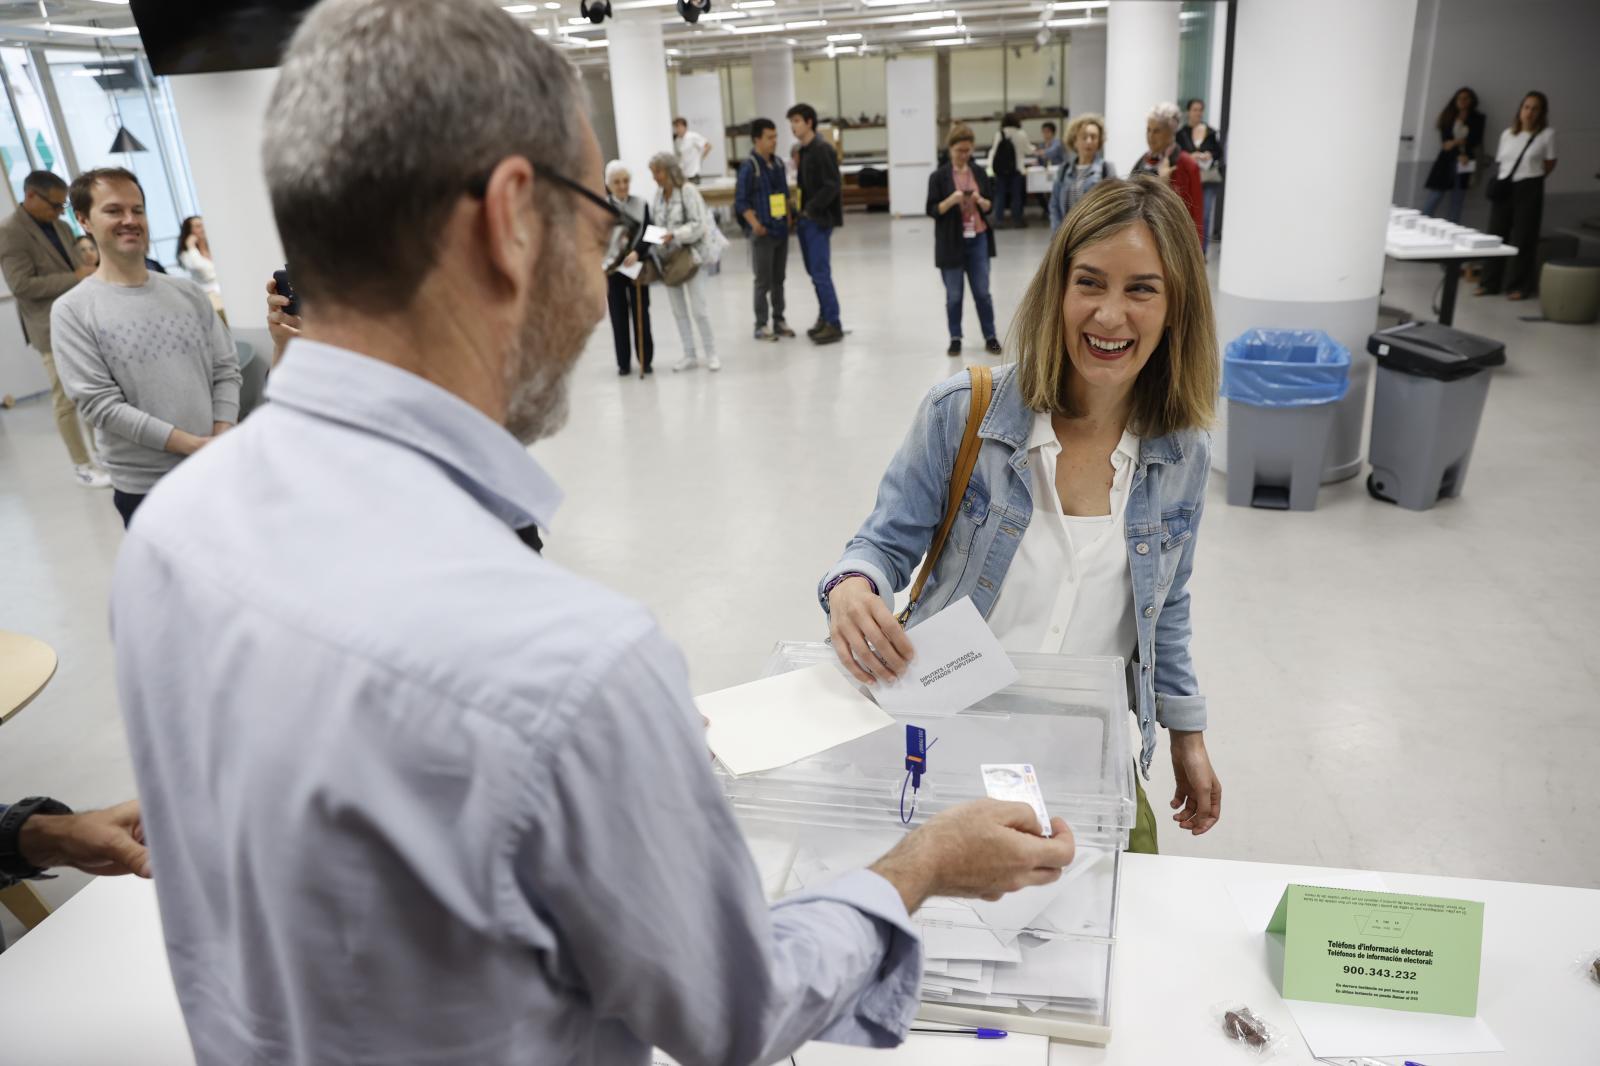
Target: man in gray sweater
[144,356]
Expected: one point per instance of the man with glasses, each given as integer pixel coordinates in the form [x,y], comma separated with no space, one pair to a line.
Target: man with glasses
[39,261]
[415,792]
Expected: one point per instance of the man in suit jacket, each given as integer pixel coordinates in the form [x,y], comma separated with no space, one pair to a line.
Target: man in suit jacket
[39,263]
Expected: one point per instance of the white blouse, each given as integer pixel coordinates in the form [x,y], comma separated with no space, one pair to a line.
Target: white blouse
[200,268]
[1069,590]
[1541,151]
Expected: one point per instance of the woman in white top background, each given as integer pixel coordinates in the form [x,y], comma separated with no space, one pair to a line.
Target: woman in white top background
[1527,152]
[194,255]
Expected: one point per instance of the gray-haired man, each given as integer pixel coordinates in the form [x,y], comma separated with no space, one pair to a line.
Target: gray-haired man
[39,263]
[415,793]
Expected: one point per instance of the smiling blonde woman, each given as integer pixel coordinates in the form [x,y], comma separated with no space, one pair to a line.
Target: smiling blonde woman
[1076,531]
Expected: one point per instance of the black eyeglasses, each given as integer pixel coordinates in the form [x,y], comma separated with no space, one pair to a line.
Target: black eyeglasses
[626,228]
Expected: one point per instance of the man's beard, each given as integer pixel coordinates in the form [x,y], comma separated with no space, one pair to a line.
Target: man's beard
[552,339]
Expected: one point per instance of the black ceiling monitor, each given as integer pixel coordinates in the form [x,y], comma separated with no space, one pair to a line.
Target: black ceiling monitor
[207,36]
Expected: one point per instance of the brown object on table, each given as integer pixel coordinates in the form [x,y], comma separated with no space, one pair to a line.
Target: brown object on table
[1243,1025]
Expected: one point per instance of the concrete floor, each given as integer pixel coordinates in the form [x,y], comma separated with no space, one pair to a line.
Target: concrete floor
[1388,689]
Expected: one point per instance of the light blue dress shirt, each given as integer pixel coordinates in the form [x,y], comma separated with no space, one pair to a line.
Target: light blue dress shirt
[417,795]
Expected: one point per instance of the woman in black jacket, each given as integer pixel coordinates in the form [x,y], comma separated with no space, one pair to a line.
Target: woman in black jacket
[959,195]
[1460,127]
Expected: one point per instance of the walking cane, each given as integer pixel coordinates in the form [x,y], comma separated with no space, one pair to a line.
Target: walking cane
[638,326]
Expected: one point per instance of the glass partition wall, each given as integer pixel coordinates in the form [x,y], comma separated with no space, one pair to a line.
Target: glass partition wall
[63,110]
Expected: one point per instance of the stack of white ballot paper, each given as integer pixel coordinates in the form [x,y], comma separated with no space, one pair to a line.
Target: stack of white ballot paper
[1043,949]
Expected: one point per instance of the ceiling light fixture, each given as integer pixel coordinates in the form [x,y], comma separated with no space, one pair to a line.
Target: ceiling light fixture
[775,27]
[751,5]
[723,16]
[808,24]
[519,9]
[946,42]
[1080,5]
[934,31]
[1061,24]
[919,16]
[894,3]
[87,31]
[844,37]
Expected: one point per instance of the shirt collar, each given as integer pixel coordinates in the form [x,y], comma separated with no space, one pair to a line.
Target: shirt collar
[1043,436]
[382,400]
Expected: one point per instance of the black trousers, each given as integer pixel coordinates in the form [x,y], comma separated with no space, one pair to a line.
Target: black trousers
[769,257]
[1517,219]
[126,503]
[621,294]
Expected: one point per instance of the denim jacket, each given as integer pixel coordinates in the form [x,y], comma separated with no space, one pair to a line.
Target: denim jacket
[1163,518]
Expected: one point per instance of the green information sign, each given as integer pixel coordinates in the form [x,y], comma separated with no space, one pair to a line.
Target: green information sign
[1380,949]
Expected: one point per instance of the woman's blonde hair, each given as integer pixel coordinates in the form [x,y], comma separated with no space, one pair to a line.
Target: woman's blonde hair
[1076,126]
[959,131]
[1177,389]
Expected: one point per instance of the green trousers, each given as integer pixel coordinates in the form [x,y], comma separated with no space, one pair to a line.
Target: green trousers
[1143,837]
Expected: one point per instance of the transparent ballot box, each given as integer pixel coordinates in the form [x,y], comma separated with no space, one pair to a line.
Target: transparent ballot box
[1036,961]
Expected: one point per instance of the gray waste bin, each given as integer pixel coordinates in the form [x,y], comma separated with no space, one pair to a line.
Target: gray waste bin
[1429,398]
[1283,388]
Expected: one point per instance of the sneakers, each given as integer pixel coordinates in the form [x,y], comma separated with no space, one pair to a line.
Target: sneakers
[90,477]
[713,363]
[781,328]
[994,346]
[762,333]
[955,347]
[828,334]
[688,362]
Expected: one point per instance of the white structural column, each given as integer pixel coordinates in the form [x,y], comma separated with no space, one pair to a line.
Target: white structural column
[913,132]
[221,117]
[1141,71]
[700,104]
[1317,263]
[639,96]
[772,72]
[1086,71]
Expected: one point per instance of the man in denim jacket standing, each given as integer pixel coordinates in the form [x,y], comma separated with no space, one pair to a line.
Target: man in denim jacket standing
[762,204]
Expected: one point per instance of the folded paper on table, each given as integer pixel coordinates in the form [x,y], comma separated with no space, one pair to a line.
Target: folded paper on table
[785,718]
[957,663]
[1335,1030]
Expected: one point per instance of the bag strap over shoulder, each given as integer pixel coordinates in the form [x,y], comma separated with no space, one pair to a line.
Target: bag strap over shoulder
[960,476]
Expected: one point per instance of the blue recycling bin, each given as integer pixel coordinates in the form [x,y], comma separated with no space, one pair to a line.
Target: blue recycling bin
[1283,387]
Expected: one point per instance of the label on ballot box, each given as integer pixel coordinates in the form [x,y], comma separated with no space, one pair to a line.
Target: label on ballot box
[1380,949]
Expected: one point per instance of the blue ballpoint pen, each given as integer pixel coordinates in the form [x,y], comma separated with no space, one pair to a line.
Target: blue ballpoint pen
[981,1034]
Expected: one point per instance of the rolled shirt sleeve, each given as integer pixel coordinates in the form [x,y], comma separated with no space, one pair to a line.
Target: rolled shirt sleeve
[632,858]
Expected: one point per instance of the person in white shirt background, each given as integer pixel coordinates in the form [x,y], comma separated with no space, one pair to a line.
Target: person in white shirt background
[194,255]
[691,148]
[1527,152]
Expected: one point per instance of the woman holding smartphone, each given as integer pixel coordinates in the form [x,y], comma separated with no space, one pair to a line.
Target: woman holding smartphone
[959,195]
[1076,532]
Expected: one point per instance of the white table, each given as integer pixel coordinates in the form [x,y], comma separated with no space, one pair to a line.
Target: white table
[1450,258]
[91,984]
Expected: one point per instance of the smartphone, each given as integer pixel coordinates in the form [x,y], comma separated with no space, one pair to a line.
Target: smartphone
[280,278]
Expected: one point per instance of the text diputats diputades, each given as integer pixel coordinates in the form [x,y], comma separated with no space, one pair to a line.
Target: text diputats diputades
[949,668]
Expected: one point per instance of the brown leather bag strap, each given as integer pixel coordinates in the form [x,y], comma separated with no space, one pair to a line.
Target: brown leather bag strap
[960,475]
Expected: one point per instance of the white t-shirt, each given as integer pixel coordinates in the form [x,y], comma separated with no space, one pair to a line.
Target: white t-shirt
[691,151]
[1542,150]
[1069,590]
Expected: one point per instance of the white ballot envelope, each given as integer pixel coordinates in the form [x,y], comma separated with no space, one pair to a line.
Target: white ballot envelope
[957,662]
